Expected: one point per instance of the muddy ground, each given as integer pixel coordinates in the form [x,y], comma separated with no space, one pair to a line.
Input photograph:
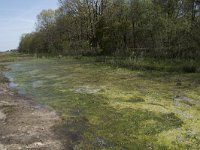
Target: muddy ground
[26,125]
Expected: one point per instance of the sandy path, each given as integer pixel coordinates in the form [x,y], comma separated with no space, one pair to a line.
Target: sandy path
[25,125]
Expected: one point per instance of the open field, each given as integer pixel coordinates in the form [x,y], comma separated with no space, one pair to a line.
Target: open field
[114,108]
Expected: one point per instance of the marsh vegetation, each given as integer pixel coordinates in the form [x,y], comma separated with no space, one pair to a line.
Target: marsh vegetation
[105,107]
[122,74]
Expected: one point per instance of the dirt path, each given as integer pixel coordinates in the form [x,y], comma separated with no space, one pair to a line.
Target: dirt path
[25,125]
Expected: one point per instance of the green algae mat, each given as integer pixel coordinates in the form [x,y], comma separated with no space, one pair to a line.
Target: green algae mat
[109,108]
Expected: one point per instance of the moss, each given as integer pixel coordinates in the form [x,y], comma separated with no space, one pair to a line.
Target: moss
[132,110]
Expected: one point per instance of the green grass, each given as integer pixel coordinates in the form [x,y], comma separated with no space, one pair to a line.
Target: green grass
[149,64]
[114,108]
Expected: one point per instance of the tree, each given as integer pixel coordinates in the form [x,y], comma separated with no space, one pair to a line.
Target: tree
[151,28]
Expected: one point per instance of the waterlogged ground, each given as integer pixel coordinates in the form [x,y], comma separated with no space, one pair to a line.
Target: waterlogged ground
[108,108]
[24,123]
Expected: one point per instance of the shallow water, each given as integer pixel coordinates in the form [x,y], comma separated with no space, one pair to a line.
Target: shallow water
[110,108]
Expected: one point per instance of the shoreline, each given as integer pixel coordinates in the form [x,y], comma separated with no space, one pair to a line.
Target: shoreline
[24,124]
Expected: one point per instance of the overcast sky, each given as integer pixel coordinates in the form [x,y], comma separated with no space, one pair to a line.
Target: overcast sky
[18,17]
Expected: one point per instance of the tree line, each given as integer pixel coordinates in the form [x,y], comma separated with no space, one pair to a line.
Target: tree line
[149,28]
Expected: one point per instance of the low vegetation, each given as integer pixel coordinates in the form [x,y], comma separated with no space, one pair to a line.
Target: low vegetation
[114,108]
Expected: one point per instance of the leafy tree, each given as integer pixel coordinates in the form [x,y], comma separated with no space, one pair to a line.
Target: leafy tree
[151,28]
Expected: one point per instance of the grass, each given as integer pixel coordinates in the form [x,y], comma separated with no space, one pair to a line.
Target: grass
[6,57]
[105,107]
[149,64]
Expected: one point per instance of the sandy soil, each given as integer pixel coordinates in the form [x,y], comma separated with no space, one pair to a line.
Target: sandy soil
[26,125]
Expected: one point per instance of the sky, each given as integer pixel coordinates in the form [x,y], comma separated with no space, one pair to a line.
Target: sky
[18,17]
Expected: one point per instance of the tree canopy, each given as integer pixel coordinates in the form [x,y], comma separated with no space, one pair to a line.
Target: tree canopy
[152,28]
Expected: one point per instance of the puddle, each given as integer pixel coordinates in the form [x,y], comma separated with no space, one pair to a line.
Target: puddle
[13,85]
[8,76]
